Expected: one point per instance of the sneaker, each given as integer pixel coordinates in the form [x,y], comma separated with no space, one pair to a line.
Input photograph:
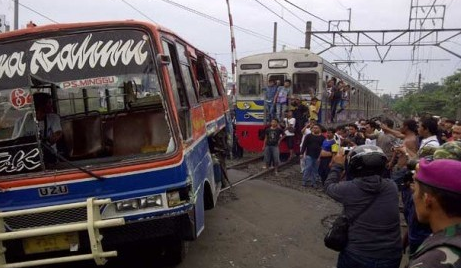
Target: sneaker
[264,167]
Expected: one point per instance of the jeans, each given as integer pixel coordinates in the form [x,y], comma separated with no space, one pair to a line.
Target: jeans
[270,111]
[311,171]
[280,110]
[271,153]
[350,260]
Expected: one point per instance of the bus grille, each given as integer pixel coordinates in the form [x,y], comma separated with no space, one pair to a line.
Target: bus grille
[46,219]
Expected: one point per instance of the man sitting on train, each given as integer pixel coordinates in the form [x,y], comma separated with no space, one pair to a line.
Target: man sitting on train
[282,97]
[269,96]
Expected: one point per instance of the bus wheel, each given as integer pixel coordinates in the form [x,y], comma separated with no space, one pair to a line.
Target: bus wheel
[174,251]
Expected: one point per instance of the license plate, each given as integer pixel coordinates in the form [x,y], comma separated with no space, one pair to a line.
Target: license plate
[48,243]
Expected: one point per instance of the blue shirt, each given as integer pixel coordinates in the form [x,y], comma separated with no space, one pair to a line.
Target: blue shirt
[326,145]
[270,93]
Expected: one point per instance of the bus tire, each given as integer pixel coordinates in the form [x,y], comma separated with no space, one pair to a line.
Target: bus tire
[175,251]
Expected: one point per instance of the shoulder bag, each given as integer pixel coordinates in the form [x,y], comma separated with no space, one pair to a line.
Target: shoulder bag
[337,237]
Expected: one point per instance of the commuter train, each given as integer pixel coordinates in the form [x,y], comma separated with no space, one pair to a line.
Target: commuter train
[144,120]
[309,74]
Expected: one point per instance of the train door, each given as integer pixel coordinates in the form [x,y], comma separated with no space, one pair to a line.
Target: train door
[180,93]
[280,78]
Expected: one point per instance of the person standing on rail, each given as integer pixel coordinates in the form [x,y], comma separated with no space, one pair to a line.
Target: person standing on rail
[282,97]
[373,204]
[335,98]
[269,96]
[273,136]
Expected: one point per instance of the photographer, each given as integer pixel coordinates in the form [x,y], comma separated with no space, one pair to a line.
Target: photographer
[437,199]
[372,202]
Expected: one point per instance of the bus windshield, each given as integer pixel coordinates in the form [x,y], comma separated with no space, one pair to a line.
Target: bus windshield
[105,101]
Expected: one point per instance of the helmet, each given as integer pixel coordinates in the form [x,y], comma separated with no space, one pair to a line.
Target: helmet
[366,160]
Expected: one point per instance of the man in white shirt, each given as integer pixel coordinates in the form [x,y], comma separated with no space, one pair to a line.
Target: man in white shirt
[427,130]
[290,123]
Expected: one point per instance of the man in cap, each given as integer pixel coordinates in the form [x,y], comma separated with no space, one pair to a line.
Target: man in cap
[437,199]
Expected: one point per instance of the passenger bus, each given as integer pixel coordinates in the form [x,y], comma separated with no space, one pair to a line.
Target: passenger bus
[142,122]
[309,74]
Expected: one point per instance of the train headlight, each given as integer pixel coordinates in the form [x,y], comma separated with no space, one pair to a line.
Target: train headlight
[246,105]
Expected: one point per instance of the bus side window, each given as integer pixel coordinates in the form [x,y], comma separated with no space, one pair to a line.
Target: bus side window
[206,87]
[179,90]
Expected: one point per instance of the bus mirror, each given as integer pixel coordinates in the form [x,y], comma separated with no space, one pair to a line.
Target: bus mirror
[163,59]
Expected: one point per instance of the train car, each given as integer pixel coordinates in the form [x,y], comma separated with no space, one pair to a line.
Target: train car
[309,74]
[127,146]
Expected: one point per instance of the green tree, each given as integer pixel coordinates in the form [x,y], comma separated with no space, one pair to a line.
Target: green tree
[443,100]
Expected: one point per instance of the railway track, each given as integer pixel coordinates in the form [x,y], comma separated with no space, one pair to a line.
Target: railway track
[243,166]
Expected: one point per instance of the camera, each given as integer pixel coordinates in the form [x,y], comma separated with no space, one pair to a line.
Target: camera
[413,163]
[346,150]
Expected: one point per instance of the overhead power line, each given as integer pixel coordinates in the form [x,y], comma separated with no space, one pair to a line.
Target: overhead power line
[305,11]
[36,12]
[275,13]
[225,23]
[137,10]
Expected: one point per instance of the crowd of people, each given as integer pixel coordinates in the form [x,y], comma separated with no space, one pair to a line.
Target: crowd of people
[368,164]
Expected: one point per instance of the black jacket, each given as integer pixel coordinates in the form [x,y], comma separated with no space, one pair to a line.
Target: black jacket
[376,232]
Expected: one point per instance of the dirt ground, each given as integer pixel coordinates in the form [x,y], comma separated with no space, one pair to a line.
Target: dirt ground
[263,225]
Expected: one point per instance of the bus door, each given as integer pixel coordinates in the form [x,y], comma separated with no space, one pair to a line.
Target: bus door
[180,92]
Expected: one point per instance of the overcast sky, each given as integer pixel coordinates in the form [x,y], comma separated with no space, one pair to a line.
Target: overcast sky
[213,37]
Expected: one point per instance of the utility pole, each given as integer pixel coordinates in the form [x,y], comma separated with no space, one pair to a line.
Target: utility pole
[16,14]
[308,35]
[419,82]
[274,45]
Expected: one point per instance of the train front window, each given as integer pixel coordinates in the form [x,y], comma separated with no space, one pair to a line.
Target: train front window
[250,84]
[304,83]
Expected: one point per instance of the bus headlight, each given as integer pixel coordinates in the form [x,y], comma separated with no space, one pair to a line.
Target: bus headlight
[174,199]
[139,203]
[126,205]
[246,105]
[151,201]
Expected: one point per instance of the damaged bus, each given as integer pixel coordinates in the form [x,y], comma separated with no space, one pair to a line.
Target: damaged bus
[110,132]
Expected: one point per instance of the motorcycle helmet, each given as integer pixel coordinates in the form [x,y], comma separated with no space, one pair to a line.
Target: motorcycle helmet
[366,160]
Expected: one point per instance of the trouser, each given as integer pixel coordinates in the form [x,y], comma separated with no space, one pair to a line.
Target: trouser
[334,106]
[350,260]
[280,109]
[270,111]
[311,171]
[324,168]
[271,153]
